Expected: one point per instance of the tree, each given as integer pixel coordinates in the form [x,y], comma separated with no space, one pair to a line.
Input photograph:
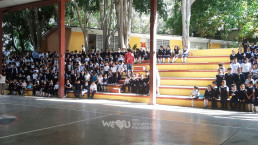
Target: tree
[39,21]
[84,8]
[108,25]
[217,19]
[186,17]
[15,31]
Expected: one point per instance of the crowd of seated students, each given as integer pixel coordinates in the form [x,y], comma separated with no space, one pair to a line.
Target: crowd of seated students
[167,53]
[84,72]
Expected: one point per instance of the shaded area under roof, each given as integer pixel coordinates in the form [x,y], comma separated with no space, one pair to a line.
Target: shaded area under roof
[10,3]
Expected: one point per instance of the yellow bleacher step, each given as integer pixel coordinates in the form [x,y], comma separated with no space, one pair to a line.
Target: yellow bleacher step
[201,82]
[189,73]
[200,59]
[190,66]
[179,90]
[212,52]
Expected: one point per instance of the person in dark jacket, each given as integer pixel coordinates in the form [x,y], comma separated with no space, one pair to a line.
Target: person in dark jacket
[77,89]
[239,78]
[207,96]
[242,97]
[234,97]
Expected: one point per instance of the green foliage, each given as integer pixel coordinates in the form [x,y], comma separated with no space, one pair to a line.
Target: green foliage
[217,18]
[143,6]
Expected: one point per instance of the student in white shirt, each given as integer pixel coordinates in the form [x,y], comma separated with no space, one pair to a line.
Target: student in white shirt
[234,66]
[92,91]
[249,79]
[246,67]
[87,76]
[113,70]
[100,82]
[195,94]
[106,68]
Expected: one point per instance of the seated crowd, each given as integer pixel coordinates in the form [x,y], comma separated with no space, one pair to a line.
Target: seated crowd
[167,53]
[238,84]
[85,73]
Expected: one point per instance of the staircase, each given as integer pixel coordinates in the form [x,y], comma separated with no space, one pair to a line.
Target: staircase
[178,79]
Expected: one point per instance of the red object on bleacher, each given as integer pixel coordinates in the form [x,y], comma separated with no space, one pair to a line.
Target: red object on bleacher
[115,90]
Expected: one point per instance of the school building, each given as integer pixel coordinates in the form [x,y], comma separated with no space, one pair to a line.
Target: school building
[75,40]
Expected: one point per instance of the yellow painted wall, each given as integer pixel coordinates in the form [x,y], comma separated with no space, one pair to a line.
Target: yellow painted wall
[135,40]
[173,43]
[76,41]
[214,46]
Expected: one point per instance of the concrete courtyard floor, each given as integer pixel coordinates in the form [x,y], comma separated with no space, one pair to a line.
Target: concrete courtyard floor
[53,121]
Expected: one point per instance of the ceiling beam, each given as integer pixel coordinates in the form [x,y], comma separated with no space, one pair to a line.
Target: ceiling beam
[30,5]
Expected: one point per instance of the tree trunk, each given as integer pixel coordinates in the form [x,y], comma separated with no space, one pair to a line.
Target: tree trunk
[124,17]
[86,39]
[32,34]
[84,25]
[186,17]
[37,28]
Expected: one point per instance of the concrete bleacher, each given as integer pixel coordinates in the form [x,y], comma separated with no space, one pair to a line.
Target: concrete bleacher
[178,79]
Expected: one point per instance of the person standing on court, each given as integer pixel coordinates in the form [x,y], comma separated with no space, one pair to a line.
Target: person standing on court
[2,83]
[129,60]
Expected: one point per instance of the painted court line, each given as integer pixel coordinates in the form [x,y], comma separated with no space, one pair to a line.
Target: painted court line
[52,127]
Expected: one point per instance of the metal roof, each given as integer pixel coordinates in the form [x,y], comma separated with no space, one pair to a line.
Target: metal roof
[10,3]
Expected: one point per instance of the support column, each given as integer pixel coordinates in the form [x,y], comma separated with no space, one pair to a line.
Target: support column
[61,74]
[1,40]
[153,61]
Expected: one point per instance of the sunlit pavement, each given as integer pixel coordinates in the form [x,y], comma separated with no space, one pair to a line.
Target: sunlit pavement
[52,121]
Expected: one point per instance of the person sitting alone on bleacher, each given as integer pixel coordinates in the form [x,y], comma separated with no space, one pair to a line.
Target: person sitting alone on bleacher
[185,54]
[195,94]
[92,91]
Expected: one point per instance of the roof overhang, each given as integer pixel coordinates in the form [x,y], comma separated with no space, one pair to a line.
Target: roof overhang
[14,5]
